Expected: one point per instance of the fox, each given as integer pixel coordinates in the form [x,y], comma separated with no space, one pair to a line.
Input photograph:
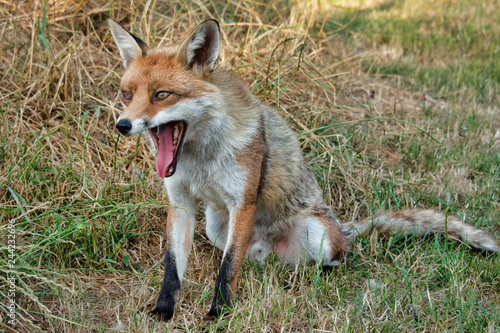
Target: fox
[214,140]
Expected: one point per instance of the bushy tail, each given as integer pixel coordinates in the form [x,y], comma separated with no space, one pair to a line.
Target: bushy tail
[421,222]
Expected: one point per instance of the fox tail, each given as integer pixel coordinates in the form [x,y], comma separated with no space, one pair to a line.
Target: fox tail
[422,222]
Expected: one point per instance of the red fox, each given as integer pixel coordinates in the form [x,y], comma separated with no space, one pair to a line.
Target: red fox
[217,142]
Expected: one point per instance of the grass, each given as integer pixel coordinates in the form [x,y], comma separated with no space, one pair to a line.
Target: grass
[447,48]
[395,104]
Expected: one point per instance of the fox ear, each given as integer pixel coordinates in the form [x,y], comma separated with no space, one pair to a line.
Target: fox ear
[200,51]
[131,47]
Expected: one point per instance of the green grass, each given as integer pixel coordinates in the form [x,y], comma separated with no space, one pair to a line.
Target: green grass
[395,105]
[446,48]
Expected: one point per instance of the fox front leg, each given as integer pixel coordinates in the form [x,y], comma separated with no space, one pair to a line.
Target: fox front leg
[180,230]
[169,293]
[240,233]
[241,224]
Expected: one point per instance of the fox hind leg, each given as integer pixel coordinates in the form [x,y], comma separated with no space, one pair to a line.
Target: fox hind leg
[217,226]
[314,238]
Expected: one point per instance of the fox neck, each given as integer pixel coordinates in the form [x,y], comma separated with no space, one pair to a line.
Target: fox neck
[219,136]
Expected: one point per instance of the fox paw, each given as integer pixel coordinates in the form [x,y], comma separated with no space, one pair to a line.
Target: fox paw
[214,314]
[163,312]
[208,319]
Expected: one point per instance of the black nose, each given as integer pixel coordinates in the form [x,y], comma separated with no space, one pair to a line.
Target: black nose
[124,126]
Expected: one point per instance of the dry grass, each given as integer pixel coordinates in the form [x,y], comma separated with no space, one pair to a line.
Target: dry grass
[89,210]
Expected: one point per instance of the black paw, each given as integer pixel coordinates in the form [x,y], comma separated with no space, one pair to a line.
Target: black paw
[164,311]
[212,316]
[207,320]
[214,313]
[327,270]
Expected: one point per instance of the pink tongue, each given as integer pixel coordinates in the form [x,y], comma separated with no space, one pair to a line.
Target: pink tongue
[165,149]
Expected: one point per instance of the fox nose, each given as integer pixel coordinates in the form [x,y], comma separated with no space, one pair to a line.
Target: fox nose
[124,126]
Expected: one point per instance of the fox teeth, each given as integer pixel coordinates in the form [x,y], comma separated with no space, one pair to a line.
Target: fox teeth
[176,131]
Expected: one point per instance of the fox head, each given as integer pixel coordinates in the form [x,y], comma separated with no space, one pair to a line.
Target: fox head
[167,91]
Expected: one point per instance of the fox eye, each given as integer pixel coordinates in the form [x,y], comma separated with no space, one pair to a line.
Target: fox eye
[161,95]
[127,94]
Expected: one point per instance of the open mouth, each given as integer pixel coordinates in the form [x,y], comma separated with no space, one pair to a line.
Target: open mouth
[167,139]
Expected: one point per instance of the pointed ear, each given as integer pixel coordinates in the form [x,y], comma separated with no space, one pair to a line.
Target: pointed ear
[130,46]
[200,51]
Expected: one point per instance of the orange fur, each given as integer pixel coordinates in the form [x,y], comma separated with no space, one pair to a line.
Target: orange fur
[250,159]
[158,71]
